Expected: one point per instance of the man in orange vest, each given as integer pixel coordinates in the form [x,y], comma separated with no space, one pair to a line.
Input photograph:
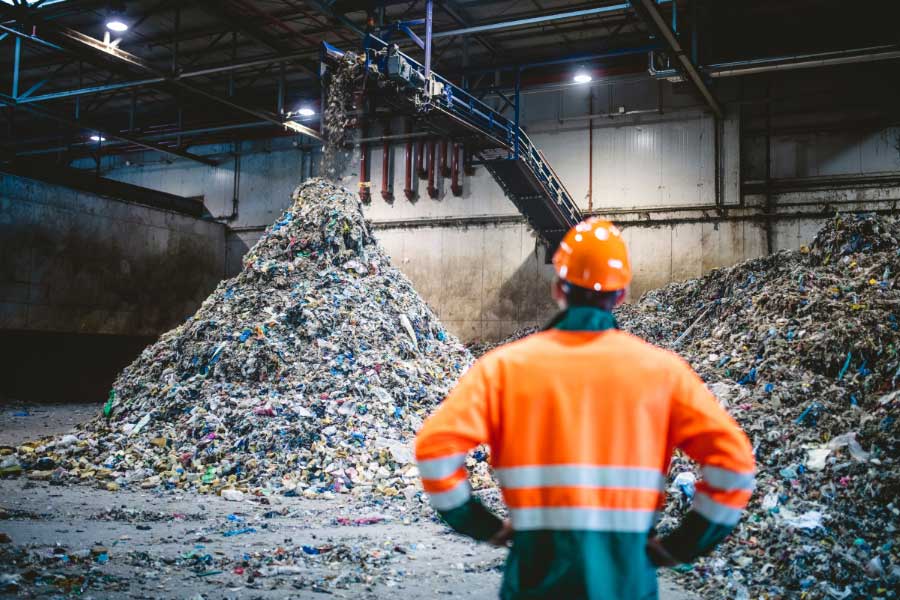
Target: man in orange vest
[581,420]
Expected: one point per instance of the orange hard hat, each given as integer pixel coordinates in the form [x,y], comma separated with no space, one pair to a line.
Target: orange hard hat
[593,255]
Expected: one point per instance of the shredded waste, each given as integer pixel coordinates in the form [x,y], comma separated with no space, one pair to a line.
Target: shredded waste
[480,348]
[802,348]
[307,374]
[340,114]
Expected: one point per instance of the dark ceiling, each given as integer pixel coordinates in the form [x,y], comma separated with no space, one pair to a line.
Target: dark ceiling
[195,71]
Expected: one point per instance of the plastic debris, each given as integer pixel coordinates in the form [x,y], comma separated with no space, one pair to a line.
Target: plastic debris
[232,495]
[802,348]
[808,520]
[240,531]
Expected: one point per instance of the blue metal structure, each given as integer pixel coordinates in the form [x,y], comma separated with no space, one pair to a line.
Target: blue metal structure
[498,143]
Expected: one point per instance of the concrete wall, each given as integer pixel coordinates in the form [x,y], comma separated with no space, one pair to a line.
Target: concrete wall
[651,167]
[79,263]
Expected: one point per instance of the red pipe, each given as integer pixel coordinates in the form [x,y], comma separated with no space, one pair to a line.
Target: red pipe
[386,194]
[407,189]
[420,159]
[445,169]
[455,187]
[365,193]
[432,164]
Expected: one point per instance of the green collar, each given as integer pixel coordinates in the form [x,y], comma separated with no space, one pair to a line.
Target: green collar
[583,318]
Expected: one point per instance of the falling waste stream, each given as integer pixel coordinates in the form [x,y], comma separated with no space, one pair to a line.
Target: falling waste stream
[310,371]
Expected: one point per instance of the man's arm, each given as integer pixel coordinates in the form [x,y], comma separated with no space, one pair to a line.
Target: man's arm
[706,432]
[460,424]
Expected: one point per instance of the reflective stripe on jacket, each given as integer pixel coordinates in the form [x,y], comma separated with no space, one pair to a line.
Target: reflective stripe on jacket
[582,421]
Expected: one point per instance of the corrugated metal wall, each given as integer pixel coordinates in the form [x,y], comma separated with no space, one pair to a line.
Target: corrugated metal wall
[833,153]
[644,157]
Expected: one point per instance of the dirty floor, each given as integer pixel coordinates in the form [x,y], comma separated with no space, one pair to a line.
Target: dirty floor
[131,544]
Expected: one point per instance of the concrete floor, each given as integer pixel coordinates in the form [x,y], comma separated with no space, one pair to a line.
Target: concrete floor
[172,545]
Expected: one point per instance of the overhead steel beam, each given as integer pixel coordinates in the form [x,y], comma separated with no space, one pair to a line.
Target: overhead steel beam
[17,60]
[76,41]
[218,9]
[31,38]
[788,63]
[96,89]
[106,132]
[582,57]
[450,7]
[532,20]
[143,65]
[648,11]
[428,37]
[325,8]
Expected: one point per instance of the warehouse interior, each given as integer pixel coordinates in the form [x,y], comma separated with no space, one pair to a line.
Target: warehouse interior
[151,149]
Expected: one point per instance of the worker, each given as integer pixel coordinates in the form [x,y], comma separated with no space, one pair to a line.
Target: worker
[581,420]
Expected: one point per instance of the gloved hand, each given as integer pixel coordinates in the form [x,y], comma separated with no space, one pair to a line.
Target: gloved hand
[503,538]
[659,556]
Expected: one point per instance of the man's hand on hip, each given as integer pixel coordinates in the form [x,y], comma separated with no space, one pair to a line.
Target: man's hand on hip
[659,556]
[503,538]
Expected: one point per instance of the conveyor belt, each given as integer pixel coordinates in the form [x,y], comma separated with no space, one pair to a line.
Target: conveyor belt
[504,149]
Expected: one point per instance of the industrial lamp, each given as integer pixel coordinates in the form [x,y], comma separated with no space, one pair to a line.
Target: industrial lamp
[117,25]
[582,76]
[115,17]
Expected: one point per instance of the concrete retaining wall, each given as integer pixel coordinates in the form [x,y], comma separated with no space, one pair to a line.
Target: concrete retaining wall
[79,263]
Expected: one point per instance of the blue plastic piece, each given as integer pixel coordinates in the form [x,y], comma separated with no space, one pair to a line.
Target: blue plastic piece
[749,377]
[846,366]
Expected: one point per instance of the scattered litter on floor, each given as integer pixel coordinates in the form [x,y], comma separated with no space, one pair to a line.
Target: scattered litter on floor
[308,373]
[339,547]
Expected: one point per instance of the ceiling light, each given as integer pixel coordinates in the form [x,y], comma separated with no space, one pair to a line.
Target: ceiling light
[306,112]
[116,25]
[582,77]
[98,138]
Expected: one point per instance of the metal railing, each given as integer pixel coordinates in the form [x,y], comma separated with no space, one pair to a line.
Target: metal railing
[441,94]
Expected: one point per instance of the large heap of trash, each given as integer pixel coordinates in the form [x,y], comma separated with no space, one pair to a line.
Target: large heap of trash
[479,348]
[308,373]
[802,348]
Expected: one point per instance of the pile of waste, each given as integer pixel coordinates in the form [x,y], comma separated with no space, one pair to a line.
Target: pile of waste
[480,348]
[802,348]
[308,373]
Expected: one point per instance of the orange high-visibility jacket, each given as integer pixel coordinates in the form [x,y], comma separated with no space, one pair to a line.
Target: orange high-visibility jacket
[581,427]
